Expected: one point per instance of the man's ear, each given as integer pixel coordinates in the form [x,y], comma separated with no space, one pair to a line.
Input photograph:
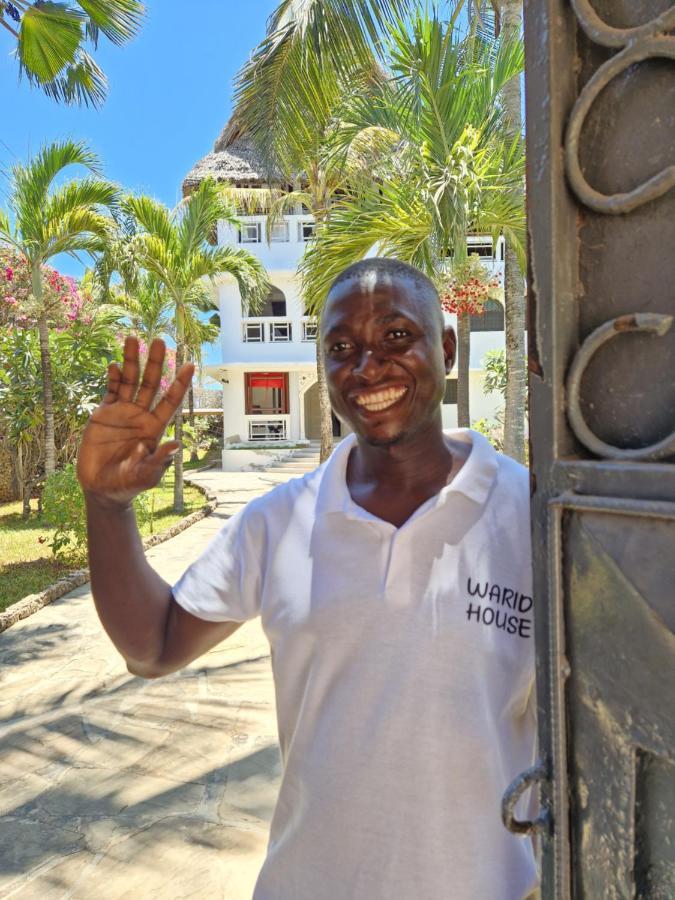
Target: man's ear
[449,348]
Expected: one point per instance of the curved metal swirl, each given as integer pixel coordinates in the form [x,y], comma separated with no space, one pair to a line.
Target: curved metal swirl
[642,42]
[655,322]
[601,33]
[513,794]
[654,187]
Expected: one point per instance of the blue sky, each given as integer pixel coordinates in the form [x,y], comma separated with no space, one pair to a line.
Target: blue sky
[169,96]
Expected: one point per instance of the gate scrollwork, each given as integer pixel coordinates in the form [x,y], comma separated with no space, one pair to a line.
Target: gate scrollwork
[651,322]
[637,44]
[647,41]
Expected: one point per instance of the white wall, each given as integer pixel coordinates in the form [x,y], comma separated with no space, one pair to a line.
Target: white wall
[480,406]
[276,256]
[236,350]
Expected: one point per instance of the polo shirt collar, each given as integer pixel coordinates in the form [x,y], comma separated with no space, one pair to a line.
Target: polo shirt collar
[474,480]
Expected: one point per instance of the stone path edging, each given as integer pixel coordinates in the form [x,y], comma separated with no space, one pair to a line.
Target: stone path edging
[34,602]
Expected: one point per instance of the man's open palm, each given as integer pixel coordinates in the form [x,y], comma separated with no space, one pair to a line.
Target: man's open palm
[120,454]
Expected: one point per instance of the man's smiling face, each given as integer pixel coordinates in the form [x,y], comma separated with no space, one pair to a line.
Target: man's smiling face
[387,355]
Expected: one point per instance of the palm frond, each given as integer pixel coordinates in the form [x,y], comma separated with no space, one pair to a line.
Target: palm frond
[246,269]
[199,215]
[31,182]
[49,38]
[338,30]
[251,201]
[80,82]
[153,217]
[87,193]
[389,219]
[118,20]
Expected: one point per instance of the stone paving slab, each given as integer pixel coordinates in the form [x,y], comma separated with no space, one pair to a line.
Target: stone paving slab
[114,787]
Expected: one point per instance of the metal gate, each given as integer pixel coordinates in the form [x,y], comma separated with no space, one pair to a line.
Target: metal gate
[600,91]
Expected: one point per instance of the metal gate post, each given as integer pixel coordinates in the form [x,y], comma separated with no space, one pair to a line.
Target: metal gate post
[600,99]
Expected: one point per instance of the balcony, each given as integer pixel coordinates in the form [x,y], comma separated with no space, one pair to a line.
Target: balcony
[286,245]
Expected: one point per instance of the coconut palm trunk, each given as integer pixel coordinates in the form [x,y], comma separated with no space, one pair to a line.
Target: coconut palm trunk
[194,454]
[178,501]
[514,294]
[47,378]
[324,406]
[463,353]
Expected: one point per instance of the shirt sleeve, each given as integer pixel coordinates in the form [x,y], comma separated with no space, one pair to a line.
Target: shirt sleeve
[224,583]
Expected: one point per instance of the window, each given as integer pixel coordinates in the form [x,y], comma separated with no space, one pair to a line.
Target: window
[254,332]
[266,393]
[491,319]
[309,331]
[280,332]
[306,231]
[450,391]
[249,233]
[481,248]
[279,233]
[275,304]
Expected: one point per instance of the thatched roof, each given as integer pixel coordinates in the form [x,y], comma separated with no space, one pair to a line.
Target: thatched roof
[234,159]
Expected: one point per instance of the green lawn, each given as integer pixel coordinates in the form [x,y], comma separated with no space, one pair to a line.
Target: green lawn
[26,562]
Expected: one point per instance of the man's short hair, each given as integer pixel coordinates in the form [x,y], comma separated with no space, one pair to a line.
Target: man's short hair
[384,268]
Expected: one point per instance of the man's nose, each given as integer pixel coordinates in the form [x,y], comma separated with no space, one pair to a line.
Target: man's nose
[370,366]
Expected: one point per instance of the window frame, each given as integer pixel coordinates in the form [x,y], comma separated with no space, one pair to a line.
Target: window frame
[301,231]
[280,240]
[282,410]
[243,226]
[450,395]
[483,323]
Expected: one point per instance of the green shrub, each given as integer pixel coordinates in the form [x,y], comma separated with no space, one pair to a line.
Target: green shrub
[492,430]
[63,508]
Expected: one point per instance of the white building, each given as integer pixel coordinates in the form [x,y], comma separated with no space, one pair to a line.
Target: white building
[268,369]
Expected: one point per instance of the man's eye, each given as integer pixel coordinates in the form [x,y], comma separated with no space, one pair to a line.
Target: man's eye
[397,333]
[340,347]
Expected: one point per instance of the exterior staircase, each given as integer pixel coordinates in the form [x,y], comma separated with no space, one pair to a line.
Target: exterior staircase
[299,461]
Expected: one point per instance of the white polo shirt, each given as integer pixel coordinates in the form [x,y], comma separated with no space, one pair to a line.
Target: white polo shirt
[403,665]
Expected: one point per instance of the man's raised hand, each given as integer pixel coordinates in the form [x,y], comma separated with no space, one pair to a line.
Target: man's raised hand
[120,454]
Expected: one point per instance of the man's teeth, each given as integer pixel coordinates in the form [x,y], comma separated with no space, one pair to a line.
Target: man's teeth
[380,400]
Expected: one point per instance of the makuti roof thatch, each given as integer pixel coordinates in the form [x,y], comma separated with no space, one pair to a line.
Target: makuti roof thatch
[234,159]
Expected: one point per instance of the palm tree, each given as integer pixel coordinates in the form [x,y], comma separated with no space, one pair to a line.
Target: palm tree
[50,39]
[49,220]
[143,301]
[292,116]
[451,169]
[493,18]
[147,308]
[175,247]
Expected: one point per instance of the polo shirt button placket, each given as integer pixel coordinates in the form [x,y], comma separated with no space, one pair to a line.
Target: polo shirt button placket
[391,591]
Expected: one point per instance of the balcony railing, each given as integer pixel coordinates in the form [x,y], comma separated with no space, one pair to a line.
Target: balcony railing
[309,331]
[253,332]
[258,331]
[280,332]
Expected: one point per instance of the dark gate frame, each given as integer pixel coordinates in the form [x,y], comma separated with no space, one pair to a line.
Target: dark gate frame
[584,460]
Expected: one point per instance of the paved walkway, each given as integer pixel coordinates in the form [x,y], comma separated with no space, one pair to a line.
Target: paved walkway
[114,787]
